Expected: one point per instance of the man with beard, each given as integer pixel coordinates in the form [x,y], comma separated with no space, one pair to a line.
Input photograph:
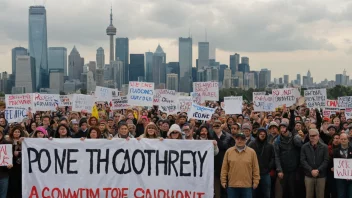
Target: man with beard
[265,155]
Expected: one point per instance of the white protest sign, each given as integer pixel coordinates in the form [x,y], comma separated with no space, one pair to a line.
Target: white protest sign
[197,98]
[208,90]
[342,168]
[200,112]
[82,102]
[46,102]
[332,105]
[140,94]
[345,102]
[120,102]
[65,100]
[6,154]
[169,103]
[18,106]
[287,96]
[348,113]
[157,96]
[103,94]
[233,104]
[328,113]
[263,103]
[184,103]
[117,168]
[315,98]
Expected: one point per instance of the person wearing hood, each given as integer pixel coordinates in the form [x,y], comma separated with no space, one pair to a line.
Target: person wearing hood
[4,170]
[265,154]
[174,132]
[255,127]
[287,160]
[151,132]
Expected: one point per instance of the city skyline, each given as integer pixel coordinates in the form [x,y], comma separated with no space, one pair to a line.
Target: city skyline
[318,52]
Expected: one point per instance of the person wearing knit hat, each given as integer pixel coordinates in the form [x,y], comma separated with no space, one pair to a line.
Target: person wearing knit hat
[246,129]
[40,132]
[174,132]
[273,131]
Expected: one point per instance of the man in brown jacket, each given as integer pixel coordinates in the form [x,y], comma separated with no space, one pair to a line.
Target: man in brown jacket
[240,169]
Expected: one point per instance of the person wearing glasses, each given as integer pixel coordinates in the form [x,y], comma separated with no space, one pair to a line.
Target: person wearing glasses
[314,160]
[240,169]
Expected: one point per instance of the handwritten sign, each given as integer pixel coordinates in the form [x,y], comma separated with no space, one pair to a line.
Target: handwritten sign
[103,94]
[184,103]
[263,103]
[157,96]
[345,102]
[140,94]
[132,168]
[208,90]
[348,113]
[65,101]
[120,102]
[315,98]
[332,105]
[287,96]
[46,102]
[197,98]
[233,104]
[18,106]
[342,168]
[200,113]
[5,154]
[169,103]
[82,102]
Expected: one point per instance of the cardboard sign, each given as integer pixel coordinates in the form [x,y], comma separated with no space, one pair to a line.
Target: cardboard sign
[46,102]
[103,94]
[342,168]
[65,101]
[82,102]
[287,96]
[263,103]
[233,104]
[315,98]
[120,102]
[117,168]
[6,154]
[345,102]
[140,94]
[200,113]
[184,103]
[348,113]
[169,103]
[208,90]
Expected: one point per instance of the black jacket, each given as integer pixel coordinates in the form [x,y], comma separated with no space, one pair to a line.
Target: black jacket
[286,153]
[336,154]
[4,171]
[315,159]
[265,155]
[223,145]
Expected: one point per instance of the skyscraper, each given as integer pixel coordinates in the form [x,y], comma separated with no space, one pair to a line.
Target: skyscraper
[17,51]
[234,62]
[159,66]
[222,72]
[245,60]
[25,72]
[160,52]
[75,64]
[100,58]
[264,78]
[56,77]
[122,52]
[118,73]
[172,82]
[37,39]
[111,32]
[92,65]
[57,58]
[149,66]
[286,79]
[298,80]
[136,66]
[203,54]
[185,61]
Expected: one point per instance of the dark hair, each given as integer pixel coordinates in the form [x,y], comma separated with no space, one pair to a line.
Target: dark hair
[96,129]
[209,136]
[57,134]
[122,123]
[16,127]
[46,117]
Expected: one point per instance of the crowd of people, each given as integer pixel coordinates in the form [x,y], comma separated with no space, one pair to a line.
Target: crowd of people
[286,153]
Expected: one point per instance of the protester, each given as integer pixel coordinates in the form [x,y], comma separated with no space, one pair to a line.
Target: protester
[122,131]
[174,132]
[4,170]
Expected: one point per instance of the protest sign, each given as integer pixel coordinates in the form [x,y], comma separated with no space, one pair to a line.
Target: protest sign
[200,112]
[120,102]
[233,104]
[117,168]
[157,96]
[208,90]
[258,93]
[46,102]
[328,113]
[342,168]
[332,105]
[82,102]
[348,113]
[315,98]
[65,100]
[6,154]
[197,98]
[263,103]
[140,94]
[168,101]
[18,106]
[103,94]
[287,96]
[345,102]
[184,103]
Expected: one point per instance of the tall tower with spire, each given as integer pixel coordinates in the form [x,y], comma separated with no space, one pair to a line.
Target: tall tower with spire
[111,32]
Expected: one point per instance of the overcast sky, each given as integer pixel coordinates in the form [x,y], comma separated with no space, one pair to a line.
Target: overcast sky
[285,36]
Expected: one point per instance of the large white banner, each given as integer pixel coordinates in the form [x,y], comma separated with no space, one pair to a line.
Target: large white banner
[117,168]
